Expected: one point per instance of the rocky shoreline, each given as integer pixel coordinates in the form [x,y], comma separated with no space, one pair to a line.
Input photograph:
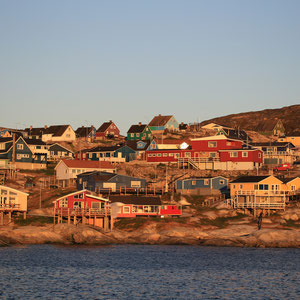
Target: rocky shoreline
[239,235]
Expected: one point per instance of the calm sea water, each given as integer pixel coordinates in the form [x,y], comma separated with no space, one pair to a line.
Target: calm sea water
[148,272]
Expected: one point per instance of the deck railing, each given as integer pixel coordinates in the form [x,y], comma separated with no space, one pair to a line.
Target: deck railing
[64,211]
[9,206]
[262,193]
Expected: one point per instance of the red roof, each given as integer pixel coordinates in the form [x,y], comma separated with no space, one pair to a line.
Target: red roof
[88,164]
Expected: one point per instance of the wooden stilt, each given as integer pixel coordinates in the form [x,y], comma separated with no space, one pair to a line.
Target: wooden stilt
[2,218]
[24,215]
[9,217]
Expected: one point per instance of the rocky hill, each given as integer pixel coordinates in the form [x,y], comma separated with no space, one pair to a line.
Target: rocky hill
[264,120]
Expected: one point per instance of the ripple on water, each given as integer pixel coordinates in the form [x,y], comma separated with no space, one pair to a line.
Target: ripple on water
[149,272]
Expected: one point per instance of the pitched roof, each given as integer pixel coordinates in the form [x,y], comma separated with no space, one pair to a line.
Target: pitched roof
[104,126]
[83,131]
[35,131]
[34,142]
[56,130]
[87,164]
[103,148]
[274,144]
[133,145]
[236,134]
[98,176]
[249,179]
[5,140]
[137,128]
[159,120]
[286,180]
[137,200]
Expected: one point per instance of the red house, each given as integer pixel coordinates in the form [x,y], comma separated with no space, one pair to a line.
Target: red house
[134,206]
[108,129]
[83,206]
[216,153]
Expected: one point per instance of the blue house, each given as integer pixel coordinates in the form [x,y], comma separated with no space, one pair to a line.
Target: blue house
[103,182]
[140,147]
[160,123]
[110,152]
[202,185]
[24,157]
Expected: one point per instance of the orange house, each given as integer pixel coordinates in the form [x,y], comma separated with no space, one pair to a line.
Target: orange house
[262,192]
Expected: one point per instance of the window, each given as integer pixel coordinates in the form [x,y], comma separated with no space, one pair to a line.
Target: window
[78,196]
[263,187]
[137,134]
[67,135]
[63,202]
[233,154]
[154,155]
[275,187]
[241,186]
[149,155]
[206,182]
[171,154]
[158,154]
[20,146]
[212,154]
[51,153]
[212,144]
[256,186]
[194,182]
[136,184]
[222,181]
[96,205]
[259,155]
[132,134]
[233,186]
[80,180]
[244,154]
[293,188]
[38,147]
[165,154]
[19,156]
[187,154]
[126,209]
[176,155]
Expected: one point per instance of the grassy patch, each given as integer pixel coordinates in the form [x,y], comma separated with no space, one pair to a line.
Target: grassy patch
[221,222]
[34,220]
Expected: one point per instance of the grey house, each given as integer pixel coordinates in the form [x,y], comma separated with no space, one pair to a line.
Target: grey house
[202,185]
[103,182]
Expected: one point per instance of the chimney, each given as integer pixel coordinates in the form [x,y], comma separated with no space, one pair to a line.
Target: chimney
[110,121]
[45,126]
[30,127]
[159,115]
[140,124]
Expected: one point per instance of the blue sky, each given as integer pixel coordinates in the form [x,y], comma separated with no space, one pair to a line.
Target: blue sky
[87,62]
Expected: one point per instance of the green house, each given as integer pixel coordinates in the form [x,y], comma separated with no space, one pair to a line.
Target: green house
[139,132]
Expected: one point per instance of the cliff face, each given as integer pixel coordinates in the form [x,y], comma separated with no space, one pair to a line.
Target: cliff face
[264,120]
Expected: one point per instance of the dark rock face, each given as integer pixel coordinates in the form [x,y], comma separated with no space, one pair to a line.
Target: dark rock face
[263,121]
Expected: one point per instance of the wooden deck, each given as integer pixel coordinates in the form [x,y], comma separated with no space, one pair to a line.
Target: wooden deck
[89,216]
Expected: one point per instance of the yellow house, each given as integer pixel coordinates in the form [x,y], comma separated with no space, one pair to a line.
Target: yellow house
[262,192]
[292,184]
[295,140]
[12,201]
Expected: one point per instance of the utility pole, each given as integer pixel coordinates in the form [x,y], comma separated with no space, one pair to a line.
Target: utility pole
[40,195]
